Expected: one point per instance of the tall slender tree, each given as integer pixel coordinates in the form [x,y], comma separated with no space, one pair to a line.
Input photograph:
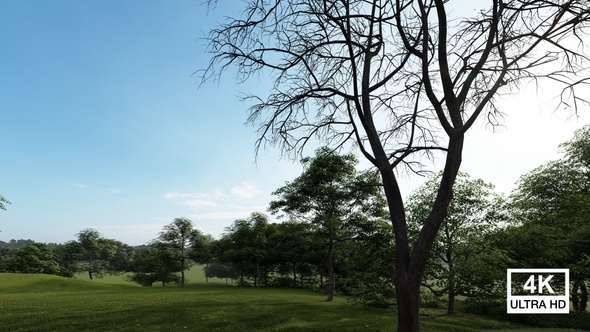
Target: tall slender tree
[467,222]
[329,194]
[402,79]
[178,236]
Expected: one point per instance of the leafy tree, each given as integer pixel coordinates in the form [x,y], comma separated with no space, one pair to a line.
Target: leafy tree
[329,194]
[179,236]
[68,255]
[120,256]
[401,79]
[92,252]
[155,264]
[553,202]
[296,249]
[244,245]
[462,231]
[370,281]
[34,258]
[216,270]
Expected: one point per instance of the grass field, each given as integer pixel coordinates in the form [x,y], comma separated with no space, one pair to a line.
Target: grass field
[50,303]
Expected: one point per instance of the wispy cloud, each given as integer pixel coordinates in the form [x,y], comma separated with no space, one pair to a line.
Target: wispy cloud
[245,190]
[198,203]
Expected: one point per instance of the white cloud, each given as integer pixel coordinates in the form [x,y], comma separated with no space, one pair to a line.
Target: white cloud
[175,195]
[221,215]
[198,203]
[245,190]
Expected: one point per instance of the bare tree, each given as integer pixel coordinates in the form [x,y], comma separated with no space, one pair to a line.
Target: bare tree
[401,80]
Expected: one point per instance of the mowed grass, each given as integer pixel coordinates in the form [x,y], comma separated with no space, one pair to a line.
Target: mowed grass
[50,303]
[194,275]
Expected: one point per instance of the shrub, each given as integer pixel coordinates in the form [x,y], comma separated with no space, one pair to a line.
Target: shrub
[429,300]
[485,305]
[375,294]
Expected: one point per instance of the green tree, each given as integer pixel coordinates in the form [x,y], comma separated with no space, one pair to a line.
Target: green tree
[296,250]
[179,236]
[330,193]
[92,252]
[553,203]
[68,255]
[155,264]
[370,281]
[402,79]
[244,245]
[462,232]
[34,258]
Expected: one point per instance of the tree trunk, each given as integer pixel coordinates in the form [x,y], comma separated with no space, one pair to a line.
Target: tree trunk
[294,277]
[583,296]
[90,265]
[408,303]
[182,272]
[329,263]
[451,302]
[241,276]
[575,296]
[257,274]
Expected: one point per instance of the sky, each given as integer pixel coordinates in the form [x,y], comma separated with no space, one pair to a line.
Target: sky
[103,124]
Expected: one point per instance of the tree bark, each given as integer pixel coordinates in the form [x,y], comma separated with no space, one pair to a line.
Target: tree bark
[257,282]
[575,296]
[330,266]
[583,297]
[451,301]
[182,271]
[408,302]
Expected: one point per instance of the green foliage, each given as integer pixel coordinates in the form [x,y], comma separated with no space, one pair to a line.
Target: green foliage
[3,201]
[430,300]
[180,237]
[155,265]
[375,294]
[331,195]
[473,214]
[481,305]
[553,204]
[34,258]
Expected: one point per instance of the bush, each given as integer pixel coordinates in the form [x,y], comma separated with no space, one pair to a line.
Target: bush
[375,295]
[485,305]
[429,300]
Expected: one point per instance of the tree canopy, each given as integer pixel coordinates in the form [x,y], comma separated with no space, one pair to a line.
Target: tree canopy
[331,194]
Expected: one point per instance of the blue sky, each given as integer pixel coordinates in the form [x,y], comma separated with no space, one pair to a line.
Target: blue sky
[103,125]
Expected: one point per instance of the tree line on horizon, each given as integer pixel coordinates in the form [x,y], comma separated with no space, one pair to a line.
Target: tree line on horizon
[335,237]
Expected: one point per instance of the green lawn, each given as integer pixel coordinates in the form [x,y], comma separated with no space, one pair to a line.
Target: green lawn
[194,275]
[49,303]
